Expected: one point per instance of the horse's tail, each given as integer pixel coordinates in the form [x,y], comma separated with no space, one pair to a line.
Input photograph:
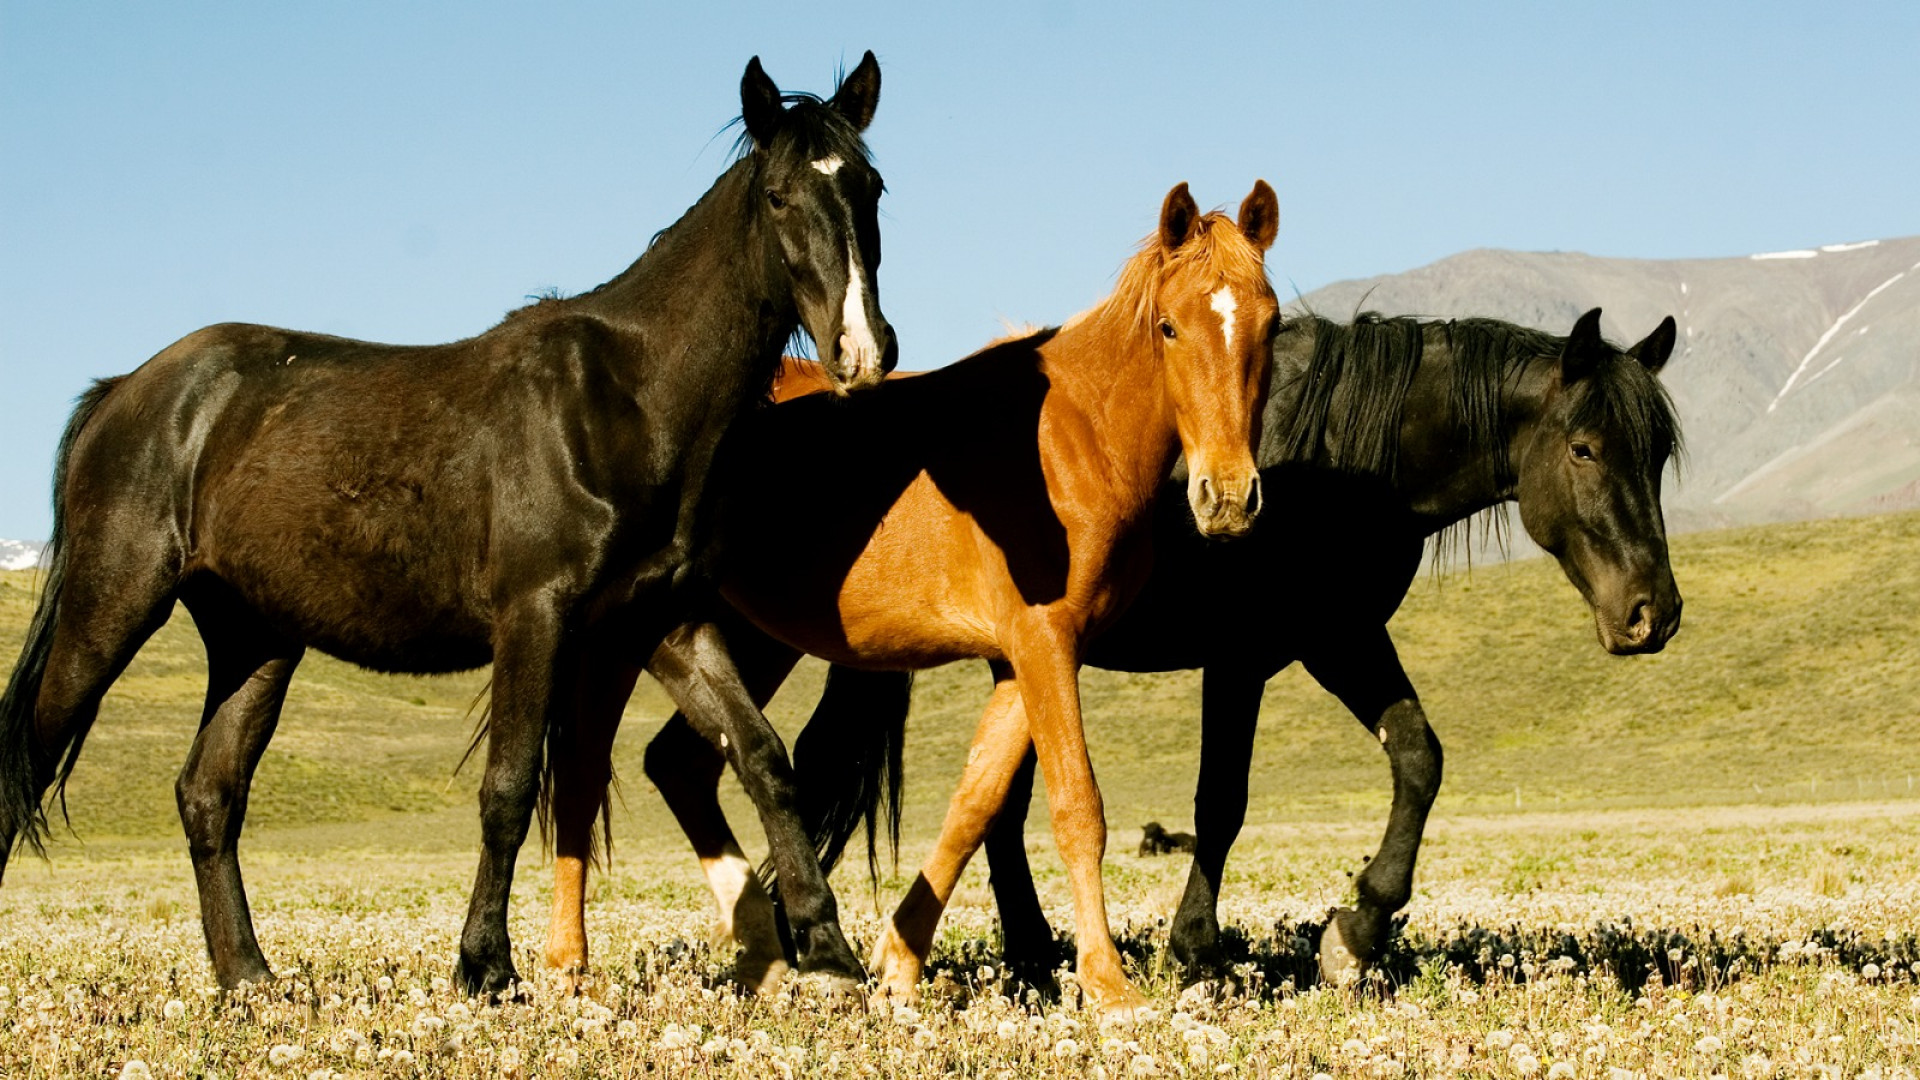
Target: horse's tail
[23,818]
[847,764]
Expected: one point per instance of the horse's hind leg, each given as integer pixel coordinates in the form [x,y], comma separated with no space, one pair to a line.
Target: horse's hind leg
[104,610]
[1027,945]
[248,669]
[582,769]
[1367,678]
[1229,714]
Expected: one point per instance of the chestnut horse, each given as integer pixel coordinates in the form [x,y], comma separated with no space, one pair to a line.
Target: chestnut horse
[1010,520]
[1380,435]
[534,496]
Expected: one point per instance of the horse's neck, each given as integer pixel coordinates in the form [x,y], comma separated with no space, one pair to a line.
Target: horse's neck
[1106,370]
[1443,478]
[707,277]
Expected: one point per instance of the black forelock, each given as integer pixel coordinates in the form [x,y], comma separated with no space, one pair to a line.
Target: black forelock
[810,128]
[1625,400]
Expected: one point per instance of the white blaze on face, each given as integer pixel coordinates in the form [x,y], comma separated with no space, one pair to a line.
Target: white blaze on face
[829,165]
[857,345]
[1224,305]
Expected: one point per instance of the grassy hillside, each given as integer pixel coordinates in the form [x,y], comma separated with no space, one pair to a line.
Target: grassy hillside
[1796,677]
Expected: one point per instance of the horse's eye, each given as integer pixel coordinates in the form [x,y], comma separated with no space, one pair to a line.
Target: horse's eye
[776,200]
[1582,451]
[1166,328]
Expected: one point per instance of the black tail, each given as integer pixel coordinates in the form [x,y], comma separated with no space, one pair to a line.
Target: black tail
[847,764]
[23,819]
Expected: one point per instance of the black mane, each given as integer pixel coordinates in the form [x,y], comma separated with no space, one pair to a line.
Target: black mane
[1343,409]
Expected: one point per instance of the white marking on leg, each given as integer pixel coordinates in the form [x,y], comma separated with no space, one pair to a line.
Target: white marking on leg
[1223,303]
[727,876]
[857,344]
[829,165]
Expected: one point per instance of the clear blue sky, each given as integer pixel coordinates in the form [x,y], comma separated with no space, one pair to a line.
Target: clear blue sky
[408,172]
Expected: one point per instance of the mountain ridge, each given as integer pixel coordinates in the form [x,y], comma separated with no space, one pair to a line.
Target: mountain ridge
[1796,376]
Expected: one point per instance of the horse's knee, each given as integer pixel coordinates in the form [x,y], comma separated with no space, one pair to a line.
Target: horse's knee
[506,808]
[678,756]
[1413,748]
[206,807]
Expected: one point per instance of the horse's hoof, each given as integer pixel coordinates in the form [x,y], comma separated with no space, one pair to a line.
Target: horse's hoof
[760,974]
[832,989]
[1339,964]
[481,978]
[567,981]
[1121,1007]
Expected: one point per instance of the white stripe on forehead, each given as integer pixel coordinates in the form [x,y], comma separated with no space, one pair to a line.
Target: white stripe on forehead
[829,165]
[1223,303]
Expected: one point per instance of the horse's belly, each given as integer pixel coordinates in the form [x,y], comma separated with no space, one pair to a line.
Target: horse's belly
[908,597]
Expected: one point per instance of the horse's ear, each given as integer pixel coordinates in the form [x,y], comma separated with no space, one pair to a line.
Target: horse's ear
[1179,217]
[760,107]
[859,93]
[1260,215]
[1653,351]
[1585,350]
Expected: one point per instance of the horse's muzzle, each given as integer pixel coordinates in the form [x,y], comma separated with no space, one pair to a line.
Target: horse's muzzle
[860,362]
[1646,628]
[1223,507]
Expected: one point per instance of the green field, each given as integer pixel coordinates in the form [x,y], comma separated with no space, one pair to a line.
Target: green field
[1694,864]
[1795,678]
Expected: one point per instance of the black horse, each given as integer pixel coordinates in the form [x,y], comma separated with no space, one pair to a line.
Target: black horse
[1156,840]
[1378,436]
[533,496]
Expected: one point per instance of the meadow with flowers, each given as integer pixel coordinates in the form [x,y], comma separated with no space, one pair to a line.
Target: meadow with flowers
[1702,863]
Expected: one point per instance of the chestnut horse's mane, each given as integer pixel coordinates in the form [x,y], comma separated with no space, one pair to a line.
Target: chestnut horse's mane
[1223,254]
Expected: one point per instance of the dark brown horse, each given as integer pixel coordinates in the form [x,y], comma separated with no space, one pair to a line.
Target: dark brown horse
[1378,436]
[1009,521]
[534,496]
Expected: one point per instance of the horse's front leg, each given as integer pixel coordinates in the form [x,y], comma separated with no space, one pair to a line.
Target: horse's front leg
[1048,671]
[698,671]
[999,745]
[527,682]
[685,766]
[1229,714]
[581,769]
[1367,678]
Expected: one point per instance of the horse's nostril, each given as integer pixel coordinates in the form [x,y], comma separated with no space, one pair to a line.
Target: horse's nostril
[1639,624]
[1206,494]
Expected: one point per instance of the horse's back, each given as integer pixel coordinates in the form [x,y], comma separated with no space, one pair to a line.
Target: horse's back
[357,494]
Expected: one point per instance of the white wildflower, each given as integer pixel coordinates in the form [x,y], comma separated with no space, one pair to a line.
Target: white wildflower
[174,1009]
[135,1069]
[283,1054]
